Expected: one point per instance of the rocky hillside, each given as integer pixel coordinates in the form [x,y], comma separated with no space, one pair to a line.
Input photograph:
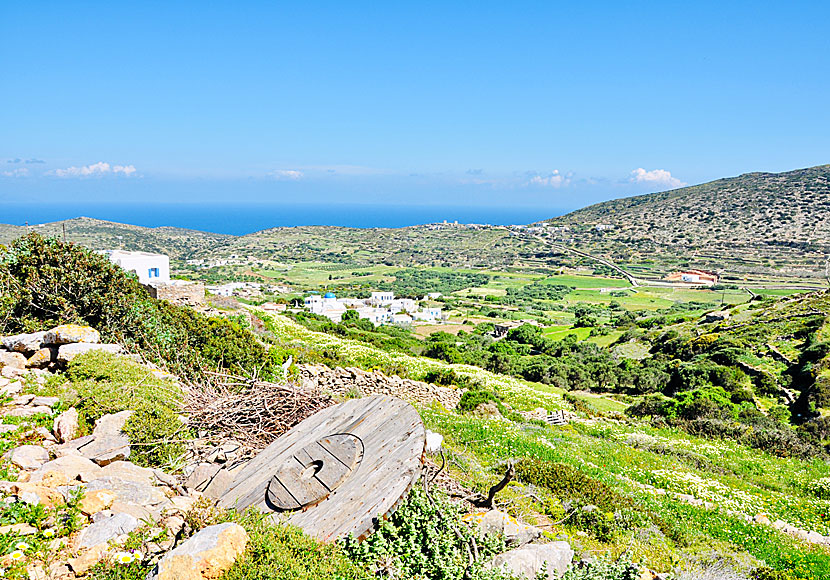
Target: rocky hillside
[760,219]
[103,235]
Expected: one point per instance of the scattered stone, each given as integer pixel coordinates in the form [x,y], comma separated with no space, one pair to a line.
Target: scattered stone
[97,501]
[529,560]
[45,401]
[13,360]
[23,342]
[20,529]
[35,494]
[28,456]
[43,357]
[208,554]
[87,559]
[762,519]
[815,538]
[495,522]
[8,428]
[66,425]
[202,476]
[129,472]
[69,333]
[489,409]
[29,411]
[74,467]
[106,530]
[67,352]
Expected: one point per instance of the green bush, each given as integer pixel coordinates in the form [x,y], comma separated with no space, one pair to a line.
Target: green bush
[418,541]
[103,383]
[621,569]
[44,282]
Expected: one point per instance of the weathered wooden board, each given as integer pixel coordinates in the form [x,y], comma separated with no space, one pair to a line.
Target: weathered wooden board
[393,439]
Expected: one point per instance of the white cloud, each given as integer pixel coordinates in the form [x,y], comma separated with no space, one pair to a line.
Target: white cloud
[290,174]
[655,177]
[21,172]
[95,170]
[553,179]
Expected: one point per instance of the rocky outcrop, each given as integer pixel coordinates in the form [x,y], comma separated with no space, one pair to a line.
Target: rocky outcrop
[49,349]
[207,554]
[355,381]
[530,560]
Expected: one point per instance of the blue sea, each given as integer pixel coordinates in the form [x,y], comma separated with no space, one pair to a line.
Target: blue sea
[246,218]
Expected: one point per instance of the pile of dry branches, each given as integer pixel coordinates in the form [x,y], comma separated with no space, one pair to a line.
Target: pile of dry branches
[248,410]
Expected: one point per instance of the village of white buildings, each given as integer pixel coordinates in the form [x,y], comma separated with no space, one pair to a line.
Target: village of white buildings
[153,271]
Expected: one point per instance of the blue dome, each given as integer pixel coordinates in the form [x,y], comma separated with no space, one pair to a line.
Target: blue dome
[329,295]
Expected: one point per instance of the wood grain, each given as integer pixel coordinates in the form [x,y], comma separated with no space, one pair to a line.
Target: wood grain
[393,439]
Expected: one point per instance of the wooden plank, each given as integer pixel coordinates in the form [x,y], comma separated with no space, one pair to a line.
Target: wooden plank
[393,438]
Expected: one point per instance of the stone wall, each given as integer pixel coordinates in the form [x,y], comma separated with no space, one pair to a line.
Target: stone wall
[189,294]
[344,380]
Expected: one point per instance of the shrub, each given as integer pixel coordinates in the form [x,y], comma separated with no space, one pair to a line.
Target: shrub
[419,541]
[44,282]
[103,383]
[622,569]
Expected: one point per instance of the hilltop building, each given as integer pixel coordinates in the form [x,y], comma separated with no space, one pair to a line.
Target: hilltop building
[153,271]
[150,268]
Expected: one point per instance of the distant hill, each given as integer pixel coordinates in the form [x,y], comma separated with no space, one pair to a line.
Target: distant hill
[780,221]
[102,235]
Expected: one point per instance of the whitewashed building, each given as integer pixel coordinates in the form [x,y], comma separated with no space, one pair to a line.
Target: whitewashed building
[381,299]
[150,268]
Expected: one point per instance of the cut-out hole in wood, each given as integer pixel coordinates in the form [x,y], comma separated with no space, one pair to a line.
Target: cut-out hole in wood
[309,475]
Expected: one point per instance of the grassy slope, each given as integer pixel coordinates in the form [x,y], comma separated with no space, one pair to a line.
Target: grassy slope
[626,456]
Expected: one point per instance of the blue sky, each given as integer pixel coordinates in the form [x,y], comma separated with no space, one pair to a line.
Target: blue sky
[505,103]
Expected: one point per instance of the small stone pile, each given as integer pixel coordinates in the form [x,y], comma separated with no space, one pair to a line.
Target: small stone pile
[343,381]
[118,496]
[50,349]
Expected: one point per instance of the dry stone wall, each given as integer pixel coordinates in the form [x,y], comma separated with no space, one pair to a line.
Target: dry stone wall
[342,381]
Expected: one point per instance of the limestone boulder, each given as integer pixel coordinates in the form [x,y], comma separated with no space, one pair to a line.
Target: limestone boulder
[66,425]
[208,554]
[43,357]
[97,501]
[13,360]
[67,352]
[529,560]
[495,522]
[28,457]
[24,343]
[75,467]
[105,530]
[71,333]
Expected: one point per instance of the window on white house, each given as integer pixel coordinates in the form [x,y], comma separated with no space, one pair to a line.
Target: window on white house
[153,273]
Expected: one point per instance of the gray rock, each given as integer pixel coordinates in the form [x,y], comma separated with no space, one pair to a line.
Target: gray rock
[105,450]
[529,560]
[75,467]
[495,522]
[815,538]
[13,360]
[8,428]
[128,472]
[66,425]
[23,343]
[211,551]
[131,492]
[165,478]
[67,352]
[202,476]
[28,456]
[29,411]
[43,357]
[105,530]
[71,333]
[45,401]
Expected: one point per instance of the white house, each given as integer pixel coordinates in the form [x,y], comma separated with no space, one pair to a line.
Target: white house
[428,314]
[403,304]
[150,268]
[401,319]
[326,305]
[381,299]
[376,316]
